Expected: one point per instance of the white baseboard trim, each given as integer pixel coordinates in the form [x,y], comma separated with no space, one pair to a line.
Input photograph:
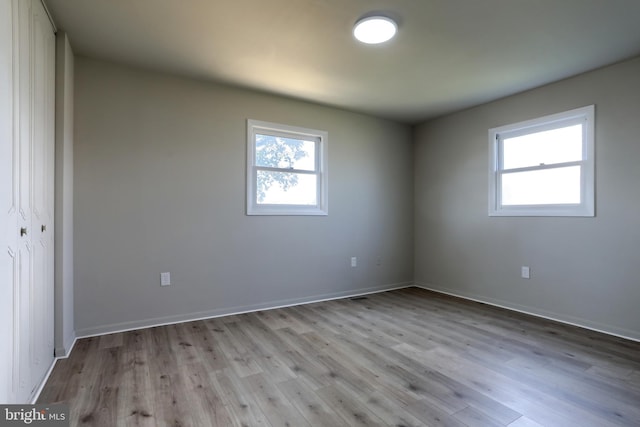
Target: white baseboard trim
[569,320]
[171,320]
[64,351]
[65,354]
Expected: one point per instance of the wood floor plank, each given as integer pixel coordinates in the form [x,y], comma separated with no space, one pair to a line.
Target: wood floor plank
[633,380]
[433,415]
[269,361]
[310,405]
[239,357]
[473,417]
[456,394]
[408,357]
[161,350]
[171,400]
[137,340]
[370,327]
[276,342]
[389,410]
[607,401]
[111,340]
[207,406]
[382,366]
[517,395]
[274,404]
[103,394]
[239,400]
[137,406]
[349,407]
[525,422]
[207,347]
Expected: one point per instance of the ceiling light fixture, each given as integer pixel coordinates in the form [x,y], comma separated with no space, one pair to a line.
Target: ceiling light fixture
[375,29]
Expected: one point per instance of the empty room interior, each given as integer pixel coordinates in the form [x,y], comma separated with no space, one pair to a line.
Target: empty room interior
[249,213]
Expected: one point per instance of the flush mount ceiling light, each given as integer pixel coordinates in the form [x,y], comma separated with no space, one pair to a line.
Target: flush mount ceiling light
[375,29]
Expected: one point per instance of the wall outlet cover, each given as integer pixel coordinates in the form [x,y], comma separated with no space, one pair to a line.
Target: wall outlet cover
[165,279]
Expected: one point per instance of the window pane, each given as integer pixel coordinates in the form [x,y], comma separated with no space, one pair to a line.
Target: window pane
[541,187]
[285,188]
[548,147]
[286,153]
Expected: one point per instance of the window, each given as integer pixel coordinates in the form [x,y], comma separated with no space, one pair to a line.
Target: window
[286,170]
[543,167]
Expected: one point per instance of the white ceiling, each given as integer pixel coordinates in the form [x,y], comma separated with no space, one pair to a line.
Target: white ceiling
[448,54]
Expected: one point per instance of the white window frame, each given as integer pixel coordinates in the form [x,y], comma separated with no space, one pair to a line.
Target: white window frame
[586,207]
[321,139]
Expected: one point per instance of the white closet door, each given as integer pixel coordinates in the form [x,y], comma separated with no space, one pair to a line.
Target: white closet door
[27,54]
[42,136]
[24,198]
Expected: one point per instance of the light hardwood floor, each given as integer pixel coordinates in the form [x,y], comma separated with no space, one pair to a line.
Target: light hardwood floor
[402,358]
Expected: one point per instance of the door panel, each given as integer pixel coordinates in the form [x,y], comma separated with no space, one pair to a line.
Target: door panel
[27,55]
[23,194]
[41,301]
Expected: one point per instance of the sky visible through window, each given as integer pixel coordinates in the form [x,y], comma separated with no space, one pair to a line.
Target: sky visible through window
[559,185]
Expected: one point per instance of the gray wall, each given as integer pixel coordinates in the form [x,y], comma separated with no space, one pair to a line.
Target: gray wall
[64,321]
[584,270]
[160,186]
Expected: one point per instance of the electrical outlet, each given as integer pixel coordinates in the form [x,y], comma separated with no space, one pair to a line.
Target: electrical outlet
[354,261]
[165,279]
[525,272]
